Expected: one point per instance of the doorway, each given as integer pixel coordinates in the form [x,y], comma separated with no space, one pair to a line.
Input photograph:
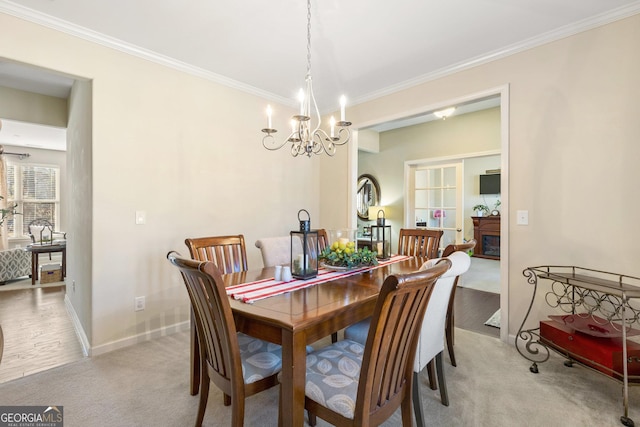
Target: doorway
[73,109]
[440,196]
[501,94]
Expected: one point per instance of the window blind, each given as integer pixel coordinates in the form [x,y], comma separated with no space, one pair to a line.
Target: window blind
[35,189]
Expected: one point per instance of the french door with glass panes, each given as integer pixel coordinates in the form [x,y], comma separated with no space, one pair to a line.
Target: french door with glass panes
[435,200]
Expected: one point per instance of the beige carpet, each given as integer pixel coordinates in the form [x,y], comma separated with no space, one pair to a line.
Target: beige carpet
[147,384]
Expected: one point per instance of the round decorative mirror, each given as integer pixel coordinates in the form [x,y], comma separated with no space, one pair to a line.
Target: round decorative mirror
[367,194]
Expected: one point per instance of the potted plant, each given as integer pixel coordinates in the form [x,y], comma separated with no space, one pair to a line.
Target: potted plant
[495,210]
[6,213]
[481,210]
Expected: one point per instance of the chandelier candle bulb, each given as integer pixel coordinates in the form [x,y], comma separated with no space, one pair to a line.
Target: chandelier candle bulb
[301,99]
[307,136]
[269,117]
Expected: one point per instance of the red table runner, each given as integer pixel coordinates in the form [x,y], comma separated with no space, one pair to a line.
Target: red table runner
[254,291]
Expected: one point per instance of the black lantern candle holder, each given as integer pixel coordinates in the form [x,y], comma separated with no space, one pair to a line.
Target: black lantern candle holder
[304,250]
[381,237]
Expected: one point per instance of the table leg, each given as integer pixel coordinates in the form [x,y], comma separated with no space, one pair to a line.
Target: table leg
[294,359]
[34,267]
[64,262]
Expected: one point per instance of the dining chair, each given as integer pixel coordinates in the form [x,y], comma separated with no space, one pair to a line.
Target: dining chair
[277,250]
[236,363]
[419,242]
[431,336]
[351,384]
[323,238]
[449,324]
[229,254]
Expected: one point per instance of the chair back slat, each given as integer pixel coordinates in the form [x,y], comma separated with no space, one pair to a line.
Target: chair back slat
[419,242]
[323,239]
[389,353]
[213,318]
[228,253]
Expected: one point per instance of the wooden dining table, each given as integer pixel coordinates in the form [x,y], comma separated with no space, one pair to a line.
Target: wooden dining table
[302,317]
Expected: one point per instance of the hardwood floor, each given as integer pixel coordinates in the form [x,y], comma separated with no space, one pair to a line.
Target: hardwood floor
[38,332]
[473,307]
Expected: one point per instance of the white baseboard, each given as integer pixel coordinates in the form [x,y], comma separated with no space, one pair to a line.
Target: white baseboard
[125,342]
[84,341]
[138,338]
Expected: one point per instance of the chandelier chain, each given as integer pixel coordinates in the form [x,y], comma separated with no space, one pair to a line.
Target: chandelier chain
[308,38]
[306,137]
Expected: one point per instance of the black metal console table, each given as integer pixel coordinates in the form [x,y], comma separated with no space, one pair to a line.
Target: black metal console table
[597,295]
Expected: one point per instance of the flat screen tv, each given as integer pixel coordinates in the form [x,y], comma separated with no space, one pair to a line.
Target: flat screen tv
[490,184]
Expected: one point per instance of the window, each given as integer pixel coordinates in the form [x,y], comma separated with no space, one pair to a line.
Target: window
[36,190]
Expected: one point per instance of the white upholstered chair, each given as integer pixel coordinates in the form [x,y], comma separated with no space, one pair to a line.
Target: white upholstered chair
[431,340]
[277,250]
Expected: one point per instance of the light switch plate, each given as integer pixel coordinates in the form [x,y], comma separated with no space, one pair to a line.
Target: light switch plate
[522,217]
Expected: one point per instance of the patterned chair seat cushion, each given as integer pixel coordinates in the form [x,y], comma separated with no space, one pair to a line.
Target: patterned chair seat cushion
[333,373]
[260,359]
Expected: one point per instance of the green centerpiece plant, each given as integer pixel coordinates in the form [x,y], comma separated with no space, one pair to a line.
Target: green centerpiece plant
[343,254]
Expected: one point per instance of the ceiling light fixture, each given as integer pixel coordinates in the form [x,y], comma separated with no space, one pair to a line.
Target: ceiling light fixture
[443,114]
[306,136]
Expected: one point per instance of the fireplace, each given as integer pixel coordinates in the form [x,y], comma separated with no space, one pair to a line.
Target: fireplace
[486,231]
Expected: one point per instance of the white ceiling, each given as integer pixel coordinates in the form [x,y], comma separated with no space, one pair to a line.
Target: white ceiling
[362,48]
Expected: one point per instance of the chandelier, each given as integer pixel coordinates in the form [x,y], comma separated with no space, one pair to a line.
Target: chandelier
[306,135]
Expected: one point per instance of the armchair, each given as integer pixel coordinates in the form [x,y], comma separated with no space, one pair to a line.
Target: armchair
[41,232]
[43,240]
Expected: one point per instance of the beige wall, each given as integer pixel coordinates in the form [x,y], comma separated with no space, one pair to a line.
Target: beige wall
[457,136]
[78,210]
[183,149]
[573,145]
[32,108]
[188,152]
[473,168]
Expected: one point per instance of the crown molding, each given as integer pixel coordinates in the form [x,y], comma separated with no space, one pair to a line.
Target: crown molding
[551,36]
[92,36]
[116,44]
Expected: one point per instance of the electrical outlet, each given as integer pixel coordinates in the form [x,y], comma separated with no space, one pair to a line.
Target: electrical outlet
[73,285]
[139,303]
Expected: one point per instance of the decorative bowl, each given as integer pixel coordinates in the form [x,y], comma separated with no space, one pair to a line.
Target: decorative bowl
[343,254]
